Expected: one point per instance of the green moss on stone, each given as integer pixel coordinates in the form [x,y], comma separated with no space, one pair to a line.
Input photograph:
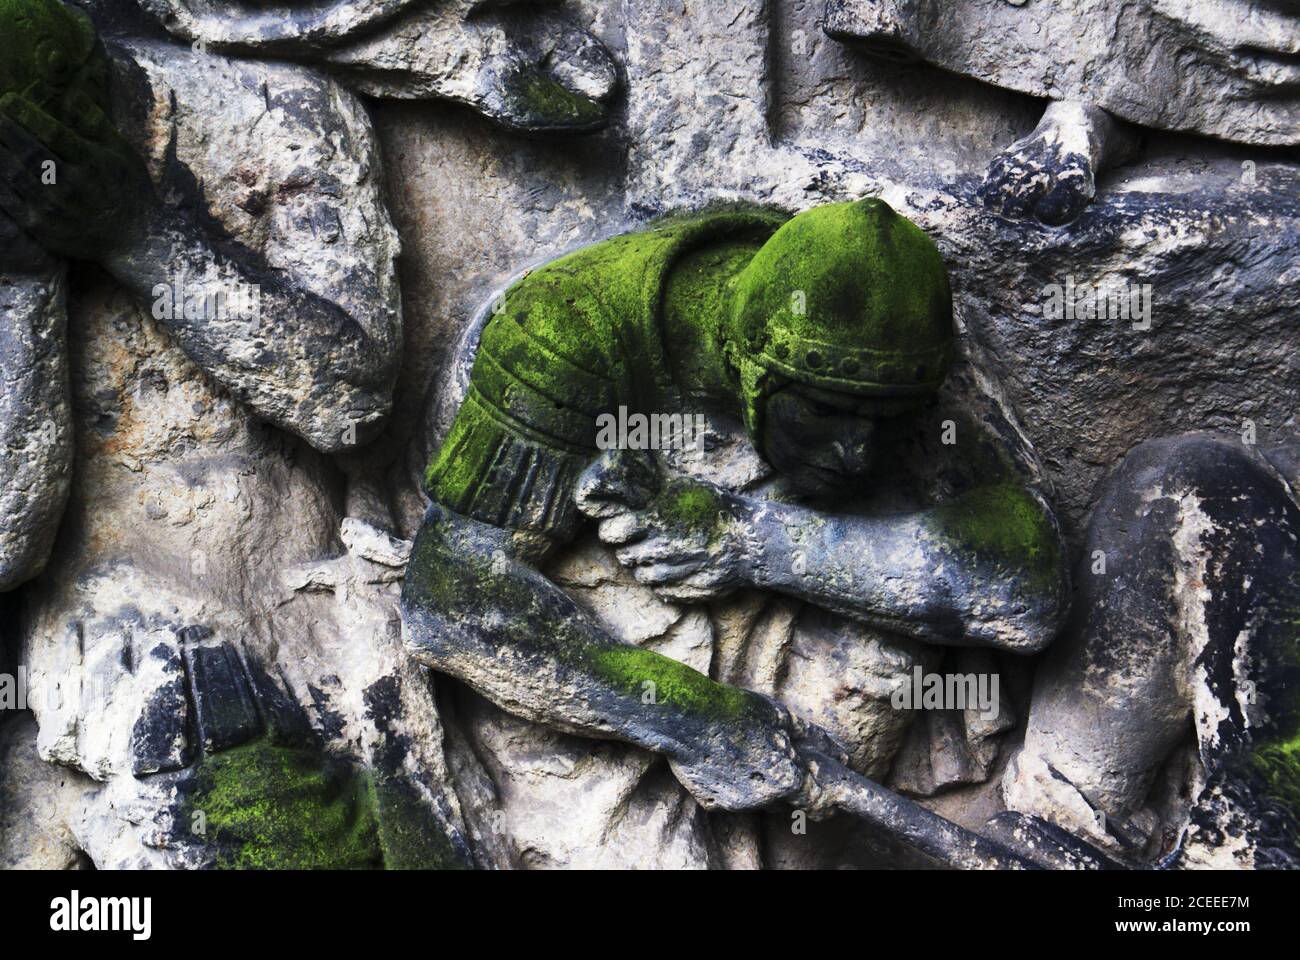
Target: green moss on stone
[1003,525]
[278,808]
[546,102]
[575,339]
[698,313]
[409,836]
[450,581]
[1276,761]
[1278,765]
[630,669]
[849,297]
[689,506]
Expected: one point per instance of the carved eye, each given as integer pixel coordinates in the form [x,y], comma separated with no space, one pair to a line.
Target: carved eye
[53,62]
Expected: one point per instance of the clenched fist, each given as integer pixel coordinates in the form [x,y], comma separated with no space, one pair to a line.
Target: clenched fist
[688,540]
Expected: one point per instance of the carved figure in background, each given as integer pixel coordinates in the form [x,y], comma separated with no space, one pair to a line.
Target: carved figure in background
[1226,68]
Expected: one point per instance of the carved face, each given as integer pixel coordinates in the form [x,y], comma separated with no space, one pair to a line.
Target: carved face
[48,51]
[822,442]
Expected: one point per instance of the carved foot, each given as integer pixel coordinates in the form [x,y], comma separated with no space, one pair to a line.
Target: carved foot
[1051,175]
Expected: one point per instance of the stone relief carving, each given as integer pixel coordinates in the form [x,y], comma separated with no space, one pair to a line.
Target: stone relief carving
[820,412]
[524,66]
[630,659]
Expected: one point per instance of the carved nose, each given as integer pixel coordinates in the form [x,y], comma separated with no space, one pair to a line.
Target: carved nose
[880,26]
[854,455]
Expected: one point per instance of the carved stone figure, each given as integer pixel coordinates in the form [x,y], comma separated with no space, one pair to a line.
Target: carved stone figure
[650,657]
[1164,720]
[168,609]
[829,335]
[826,336]
[1228,69]
[54,87]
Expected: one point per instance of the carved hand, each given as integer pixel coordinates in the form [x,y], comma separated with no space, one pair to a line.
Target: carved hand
[78,189]
[688,540]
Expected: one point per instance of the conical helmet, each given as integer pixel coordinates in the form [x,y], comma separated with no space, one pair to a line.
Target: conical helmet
[847,297]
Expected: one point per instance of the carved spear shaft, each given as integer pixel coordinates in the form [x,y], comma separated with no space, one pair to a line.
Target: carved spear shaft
[909,822]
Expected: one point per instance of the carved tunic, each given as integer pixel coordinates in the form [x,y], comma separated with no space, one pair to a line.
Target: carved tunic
[574,339]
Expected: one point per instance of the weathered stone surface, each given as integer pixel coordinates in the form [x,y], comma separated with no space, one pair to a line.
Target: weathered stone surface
[525,67]
[1212,242]
[34,806]
[567,802]
[160,737]
[35,421]
[293,172]
[1172,221]
[1227,68]
[282,25]
[831,672]
[1184,632]
[224,713]
[203,598]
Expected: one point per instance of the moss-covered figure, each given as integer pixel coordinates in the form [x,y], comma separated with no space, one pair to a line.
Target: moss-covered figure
[817,331]
[848,298]
[577,338]
[829,334]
